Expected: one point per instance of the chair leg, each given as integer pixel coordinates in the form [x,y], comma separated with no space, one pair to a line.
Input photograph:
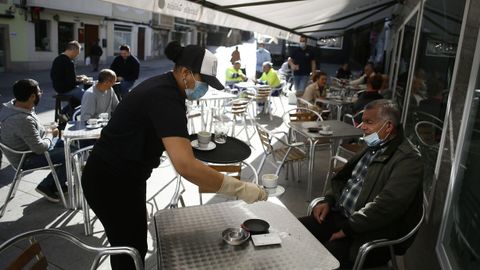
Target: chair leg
[55,178]
[11,193]
[246,129]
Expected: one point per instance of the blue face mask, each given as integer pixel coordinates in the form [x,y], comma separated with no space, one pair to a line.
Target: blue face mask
[303,45]
[373,139]
[198,91]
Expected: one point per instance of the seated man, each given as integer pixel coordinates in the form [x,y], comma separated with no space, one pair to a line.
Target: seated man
[318,89]
[376,195]
[374,85]
[343,72]
[368,71]
[21,130]
[100,98]
[269,76]
[63,76]
[127,68]
[234,74]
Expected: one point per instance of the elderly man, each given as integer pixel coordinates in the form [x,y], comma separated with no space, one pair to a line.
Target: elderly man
[318,89]
[100,98]
[21,130]
[376,195]
[127,68]
[269,75]
[263,55]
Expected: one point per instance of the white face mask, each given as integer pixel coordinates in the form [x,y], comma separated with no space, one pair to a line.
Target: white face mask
[373,139]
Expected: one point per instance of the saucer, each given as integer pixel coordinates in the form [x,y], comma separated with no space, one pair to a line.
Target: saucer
[274,192]
[235,236]
[325,132]
[93,126]
[211,146]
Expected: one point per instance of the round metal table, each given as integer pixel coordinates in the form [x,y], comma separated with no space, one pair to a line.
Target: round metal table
[233,151]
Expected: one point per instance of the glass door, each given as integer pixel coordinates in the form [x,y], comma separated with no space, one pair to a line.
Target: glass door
[3,54]
[458,244]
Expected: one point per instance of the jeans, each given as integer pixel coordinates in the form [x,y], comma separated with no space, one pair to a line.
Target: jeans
[125,87]
[300,82]
[57,155]
[76,100]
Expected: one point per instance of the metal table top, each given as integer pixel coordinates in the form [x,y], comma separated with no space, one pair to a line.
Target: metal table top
[191,238]
[341,130]
[78,130]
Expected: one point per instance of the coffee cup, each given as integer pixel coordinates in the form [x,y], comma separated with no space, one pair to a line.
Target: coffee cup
[204,138]
[326,128]
[92,121]
[270,181]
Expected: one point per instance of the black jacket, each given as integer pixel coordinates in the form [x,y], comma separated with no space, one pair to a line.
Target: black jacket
[62,74]
[128,68]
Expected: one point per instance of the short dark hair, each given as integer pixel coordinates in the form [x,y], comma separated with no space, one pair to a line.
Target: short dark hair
[376,81]
[105,75]
[73,45]
[318,75]
[23,89]
[124,47]
[387,110]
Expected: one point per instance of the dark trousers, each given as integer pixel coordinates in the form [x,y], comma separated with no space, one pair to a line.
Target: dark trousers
[119,203]
[95,59]
[341,248]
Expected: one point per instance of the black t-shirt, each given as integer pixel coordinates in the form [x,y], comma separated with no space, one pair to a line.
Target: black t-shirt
[132,140]
[303,58]
[62,74]
[365,98]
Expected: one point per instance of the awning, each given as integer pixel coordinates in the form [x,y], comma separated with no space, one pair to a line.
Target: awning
[286,19]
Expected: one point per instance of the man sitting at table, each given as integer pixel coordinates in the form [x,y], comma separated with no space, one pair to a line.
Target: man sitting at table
[374,84]
[21,130]
[318,89]
[127,68]
[368,71]
[270,77]
[234,74]
[64,79]
[376,195]
[100,98]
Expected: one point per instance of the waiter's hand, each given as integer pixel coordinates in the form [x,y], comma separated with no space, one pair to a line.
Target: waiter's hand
[249,192]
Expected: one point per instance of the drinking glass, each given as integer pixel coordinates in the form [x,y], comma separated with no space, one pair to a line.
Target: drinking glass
[221,130]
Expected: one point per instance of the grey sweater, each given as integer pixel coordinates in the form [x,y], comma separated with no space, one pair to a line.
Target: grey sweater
[95,102]
[21,130]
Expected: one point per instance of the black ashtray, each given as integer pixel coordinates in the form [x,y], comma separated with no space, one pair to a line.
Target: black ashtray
[256,226]
[313,129]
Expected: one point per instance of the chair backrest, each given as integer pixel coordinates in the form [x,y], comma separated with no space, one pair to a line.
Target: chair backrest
[240,106]
[428,133]
[5,149]
[265,139]
[31,256]
[77,114]
[34,249]
[301,114]
[234,170]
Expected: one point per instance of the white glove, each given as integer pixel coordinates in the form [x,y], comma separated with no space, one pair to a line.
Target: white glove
[249,192]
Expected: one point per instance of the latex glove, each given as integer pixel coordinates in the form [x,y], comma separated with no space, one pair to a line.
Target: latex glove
[249,192]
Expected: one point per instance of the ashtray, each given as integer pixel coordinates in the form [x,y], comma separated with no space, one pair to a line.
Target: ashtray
[235,236]
[256,226]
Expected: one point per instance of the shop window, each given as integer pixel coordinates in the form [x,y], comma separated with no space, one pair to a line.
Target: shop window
[42,35]
[122,35]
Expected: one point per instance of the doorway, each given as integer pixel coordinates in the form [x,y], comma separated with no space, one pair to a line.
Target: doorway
[141,43]
[65,35]
[91,36]
[3,48]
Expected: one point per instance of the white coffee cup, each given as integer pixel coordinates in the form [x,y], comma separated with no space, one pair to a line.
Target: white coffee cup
[270,180]
[326,128]
[92,121]
[204,138]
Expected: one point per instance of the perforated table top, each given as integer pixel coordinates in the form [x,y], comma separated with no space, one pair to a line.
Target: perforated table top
[191,238]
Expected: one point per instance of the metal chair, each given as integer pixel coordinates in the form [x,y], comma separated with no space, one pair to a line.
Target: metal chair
[77,114]
[289,153]
[261,95]
[19,172]
[238,108]
[367,247]
[234,170]
[33,256]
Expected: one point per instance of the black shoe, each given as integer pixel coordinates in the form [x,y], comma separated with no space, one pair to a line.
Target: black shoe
[64,191]
[48,194]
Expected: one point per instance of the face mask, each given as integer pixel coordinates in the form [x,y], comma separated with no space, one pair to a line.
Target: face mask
[303,45]
[373,139]
[198,91]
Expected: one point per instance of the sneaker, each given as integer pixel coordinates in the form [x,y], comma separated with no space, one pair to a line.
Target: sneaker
[48,194]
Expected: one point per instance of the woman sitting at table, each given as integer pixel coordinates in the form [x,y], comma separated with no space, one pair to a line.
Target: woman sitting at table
[150,121]
[318,89]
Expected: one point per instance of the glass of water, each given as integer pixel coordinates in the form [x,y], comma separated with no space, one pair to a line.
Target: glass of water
[221,130]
